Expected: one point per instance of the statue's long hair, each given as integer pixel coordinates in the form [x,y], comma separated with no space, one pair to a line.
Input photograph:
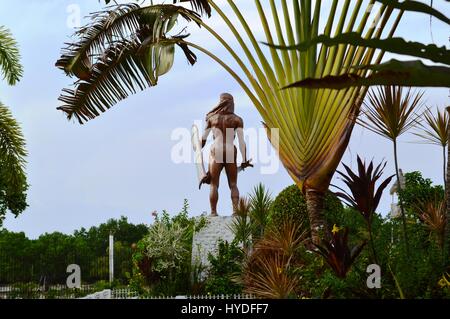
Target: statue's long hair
[225,106]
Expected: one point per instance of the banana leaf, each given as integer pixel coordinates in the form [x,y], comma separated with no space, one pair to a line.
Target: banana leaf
[395,45]
[393,72]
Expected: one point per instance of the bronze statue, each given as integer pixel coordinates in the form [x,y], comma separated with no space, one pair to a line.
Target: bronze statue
[225,125]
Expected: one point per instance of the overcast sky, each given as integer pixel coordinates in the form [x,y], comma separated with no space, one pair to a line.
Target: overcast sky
[120,163]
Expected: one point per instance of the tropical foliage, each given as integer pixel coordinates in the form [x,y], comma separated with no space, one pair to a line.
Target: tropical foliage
[393,72]
[434,129]
[13,183]
[44,260]
[364,196]
[390,112]
[132,43]
[163,258]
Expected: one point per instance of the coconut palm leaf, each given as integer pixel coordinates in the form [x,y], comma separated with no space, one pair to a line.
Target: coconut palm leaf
[12,147]
[201,6]
[10,65]
[121,52]
[390,112]
[118,24]
[12,163]
[123,70]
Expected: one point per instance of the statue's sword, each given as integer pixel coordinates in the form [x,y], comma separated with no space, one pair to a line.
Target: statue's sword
[198,156]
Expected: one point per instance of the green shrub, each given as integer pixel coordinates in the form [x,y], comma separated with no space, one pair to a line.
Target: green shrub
[291,203]
[418,190]
[162,259]
[224,268]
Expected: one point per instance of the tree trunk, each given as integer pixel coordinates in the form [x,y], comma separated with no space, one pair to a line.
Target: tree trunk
[315,206]
[447,194]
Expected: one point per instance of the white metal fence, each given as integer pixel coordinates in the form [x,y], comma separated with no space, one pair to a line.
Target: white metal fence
[130,294]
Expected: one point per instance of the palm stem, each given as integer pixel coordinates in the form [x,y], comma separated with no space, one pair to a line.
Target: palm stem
[444,165]
[400,200]
[369,228]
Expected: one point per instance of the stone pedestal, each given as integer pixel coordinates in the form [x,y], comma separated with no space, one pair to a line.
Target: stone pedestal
[205,241]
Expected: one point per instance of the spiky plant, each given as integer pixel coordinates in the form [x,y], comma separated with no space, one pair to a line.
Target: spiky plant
[260,203]
[390,112]
[269,271]
[434,129]
[241,225]
[13,183]
[433,214]
[364,195]
[337,253]
[126,48]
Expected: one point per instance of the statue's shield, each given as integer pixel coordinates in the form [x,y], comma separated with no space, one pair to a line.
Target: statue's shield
[198,156]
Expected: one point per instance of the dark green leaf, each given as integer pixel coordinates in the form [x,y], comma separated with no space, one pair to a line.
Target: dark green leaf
[393,72]
[416,6]
[394,45]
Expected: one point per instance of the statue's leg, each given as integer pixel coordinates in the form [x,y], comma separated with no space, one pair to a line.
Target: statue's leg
[214,169]
[232,172]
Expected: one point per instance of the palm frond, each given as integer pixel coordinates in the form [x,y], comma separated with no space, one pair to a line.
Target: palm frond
[390,113]
[12,161]
[119,23]
[200,6]
[434,127]
[124,69]
[260,203]
[434,215]
[9,57]
[269,272]
[241,225]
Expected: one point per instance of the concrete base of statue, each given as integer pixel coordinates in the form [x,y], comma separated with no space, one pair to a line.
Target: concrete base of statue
[206,240]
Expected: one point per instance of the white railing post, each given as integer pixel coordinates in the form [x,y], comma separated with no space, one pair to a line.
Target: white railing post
[111,258]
